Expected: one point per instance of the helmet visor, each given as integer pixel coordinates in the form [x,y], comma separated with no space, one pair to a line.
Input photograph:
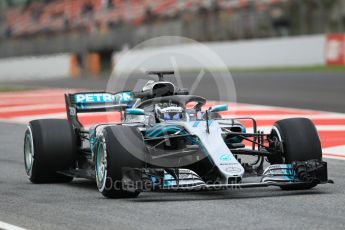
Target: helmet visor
[172,116]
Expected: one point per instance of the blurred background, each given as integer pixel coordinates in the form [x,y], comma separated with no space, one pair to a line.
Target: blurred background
[203,20]
[85,35]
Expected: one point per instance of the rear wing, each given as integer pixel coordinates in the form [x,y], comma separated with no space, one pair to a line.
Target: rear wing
[91,102]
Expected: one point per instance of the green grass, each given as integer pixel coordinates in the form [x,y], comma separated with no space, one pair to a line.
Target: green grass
[318,69]
[14,88]
[297,69]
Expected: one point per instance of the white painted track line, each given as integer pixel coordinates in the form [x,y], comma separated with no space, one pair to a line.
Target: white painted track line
[6,226]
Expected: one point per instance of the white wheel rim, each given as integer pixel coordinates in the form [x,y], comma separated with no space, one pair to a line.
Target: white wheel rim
[28,152]
[101,166]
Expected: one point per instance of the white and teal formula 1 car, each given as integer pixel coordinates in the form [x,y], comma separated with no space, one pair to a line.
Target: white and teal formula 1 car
[166,141]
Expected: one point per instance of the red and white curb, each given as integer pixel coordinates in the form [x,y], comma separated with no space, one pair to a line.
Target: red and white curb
[22,107]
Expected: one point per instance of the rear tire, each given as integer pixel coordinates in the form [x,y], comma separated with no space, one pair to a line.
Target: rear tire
[118,147]
[300,142]
[49,146]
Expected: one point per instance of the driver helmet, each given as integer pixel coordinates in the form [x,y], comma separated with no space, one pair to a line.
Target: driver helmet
[169,112]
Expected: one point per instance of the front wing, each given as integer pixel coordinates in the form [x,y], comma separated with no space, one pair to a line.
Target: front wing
[159,179]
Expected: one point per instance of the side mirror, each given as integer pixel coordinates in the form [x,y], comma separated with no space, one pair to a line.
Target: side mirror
[135,112]
[219,108]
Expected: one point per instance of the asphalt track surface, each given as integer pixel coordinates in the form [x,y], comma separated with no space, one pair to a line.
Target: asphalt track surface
[307,90]
[78,205]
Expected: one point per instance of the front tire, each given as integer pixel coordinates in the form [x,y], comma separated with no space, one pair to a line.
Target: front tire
[49,146]
[299,142]
[116,149]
